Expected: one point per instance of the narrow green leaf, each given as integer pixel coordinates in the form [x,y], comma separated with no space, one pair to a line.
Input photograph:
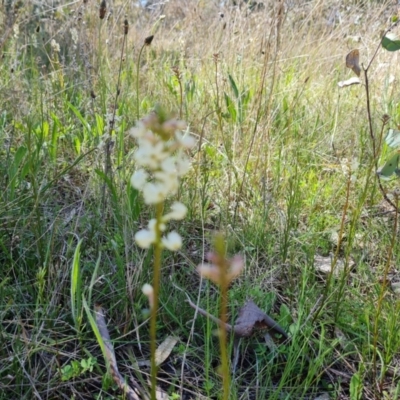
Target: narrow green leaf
[96,331]
[231,107]
[54,136]
[233,86]
[79,116]
[76,286]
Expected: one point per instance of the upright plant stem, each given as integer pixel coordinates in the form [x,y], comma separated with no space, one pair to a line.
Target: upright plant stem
[220,249]
[137,81]
[223,341]
[156,291]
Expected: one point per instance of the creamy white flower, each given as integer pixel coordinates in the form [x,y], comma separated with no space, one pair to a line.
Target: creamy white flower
[186,141]
[150,154]
[55,46]
[169,165]
[147,289]
[152,225]
[139,179]
[172,241]
[161,161]
[182,165]
[153,193]
[178,212]
[169,182]
[138,131]
[144,238]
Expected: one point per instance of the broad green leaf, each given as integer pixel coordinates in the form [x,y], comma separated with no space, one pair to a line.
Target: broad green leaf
[390,167]
[392,138]
[391,42]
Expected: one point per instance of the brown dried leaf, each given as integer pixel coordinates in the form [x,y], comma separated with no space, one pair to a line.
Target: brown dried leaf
[353,61]
[251,320]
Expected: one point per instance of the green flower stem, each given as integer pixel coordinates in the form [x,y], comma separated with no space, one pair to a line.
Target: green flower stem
[156,290]
[220,250]
[223,341]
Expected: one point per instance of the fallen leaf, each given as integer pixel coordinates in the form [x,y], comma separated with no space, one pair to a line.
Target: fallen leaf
[349,82]
[251,320]
[162,353]
[352,61]
[164,349]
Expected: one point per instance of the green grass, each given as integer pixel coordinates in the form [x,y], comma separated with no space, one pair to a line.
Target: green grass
[275,134]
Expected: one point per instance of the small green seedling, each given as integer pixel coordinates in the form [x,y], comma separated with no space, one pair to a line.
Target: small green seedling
[77,368]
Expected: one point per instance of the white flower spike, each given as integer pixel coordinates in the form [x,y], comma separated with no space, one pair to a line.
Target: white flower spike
[160,162]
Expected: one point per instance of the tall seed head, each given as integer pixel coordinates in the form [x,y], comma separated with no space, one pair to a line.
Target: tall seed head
[103,9]
[148,40]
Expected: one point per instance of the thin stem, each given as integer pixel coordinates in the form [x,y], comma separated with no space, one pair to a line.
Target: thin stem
[181,98]
[137,81]
[108,145]
[379,45]
[372,135]
[156,290]
[223,340]
[223,265]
